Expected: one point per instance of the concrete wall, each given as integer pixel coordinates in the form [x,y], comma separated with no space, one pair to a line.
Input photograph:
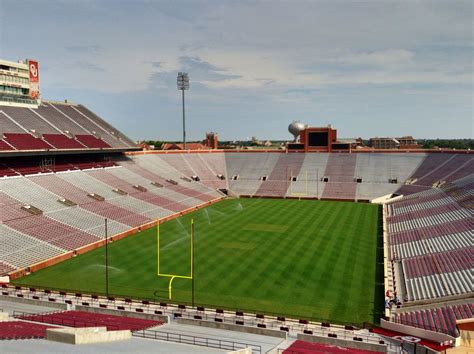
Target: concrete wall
[343,343]
[242,351]
[385,199]
[86,335]
[55,305]
[233,327]
[146,316]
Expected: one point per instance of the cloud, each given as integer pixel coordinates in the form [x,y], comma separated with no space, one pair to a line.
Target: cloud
[381,58]
[85,49]
[250,57]
[88,66]
[202,70]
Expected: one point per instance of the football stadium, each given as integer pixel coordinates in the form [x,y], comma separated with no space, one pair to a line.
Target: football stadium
[321,245]
[316,239]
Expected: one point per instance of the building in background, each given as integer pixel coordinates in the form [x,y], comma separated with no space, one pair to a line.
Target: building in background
[405,142]
[317,139]
[211,141]
[179,146]
[19,83]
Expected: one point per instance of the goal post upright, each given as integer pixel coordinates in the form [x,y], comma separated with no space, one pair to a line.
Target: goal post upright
[192,261]
[303,193]
[172,276]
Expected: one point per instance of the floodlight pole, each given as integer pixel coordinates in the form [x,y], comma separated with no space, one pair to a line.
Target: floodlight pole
[184,124]
[106,260]
[183,84]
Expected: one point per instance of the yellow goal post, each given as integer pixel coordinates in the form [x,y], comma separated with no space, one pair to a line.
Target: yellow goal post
[173,276]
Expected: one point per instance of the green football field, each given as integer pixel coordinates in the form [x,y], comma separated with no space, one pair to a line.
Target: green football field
[302,259]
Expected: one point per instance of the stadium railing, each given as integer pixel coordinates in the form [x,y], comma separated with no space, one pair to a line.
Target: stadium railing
[183,310]
[196,340]
[199,313]
[136,300]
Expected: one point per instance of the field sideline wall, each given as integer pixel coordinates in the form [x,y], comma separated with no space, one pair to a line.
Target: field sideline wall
[303,198]
[65,256]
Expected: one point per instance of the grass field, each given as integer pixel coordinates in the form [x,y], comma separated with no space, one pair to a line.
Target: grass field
[305,259]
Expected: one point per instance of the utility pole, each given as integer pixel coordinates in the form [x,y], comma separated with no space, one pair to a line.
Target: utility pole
[106,260]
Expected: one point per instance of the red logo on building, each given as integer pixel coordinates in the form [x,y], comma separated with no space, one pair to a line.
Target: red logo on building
[34,78]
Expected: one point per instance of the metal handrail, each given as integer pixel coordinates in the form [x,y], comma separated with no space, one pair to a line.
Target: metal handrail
[196,340]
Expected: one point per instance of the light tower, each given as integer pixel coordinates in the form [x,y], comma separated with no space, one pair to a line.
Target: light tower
[183,84]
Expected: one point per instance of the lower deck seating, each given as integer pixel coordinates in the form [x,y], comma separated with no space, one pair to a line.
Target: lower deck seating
[47,214]
[302,347]
[436,346]
[439,319]
[20,250]
[430,237]
[6,171]
[339,190]
[86,319]
[5,268]
[22,330]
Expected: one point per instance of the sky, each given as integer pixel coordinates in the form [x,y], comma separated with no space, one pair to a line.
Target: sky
[369,68]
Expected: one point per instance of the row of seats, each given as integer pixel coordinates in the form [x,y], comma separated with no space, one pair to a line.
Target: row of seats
[87,319]
[335,176]
[25,166]
[277,183]
[329,176]
[430,234]
[206,166]
[24,141]
[440,168]
[435,216]
[439,319]
[423,246]
[444,262]
[57,126]
[438,285]
[21,250]
[435,199]
[22,330]
[45,215]
[433,231]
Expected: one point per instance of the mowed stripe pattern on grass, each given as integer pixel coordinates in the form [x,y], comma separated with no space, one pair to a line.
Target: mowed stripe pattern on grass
[316,260]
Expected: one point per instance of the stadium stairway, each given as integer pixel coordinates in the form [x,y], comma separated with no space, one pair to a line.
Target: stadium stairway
[278,181]
[340,171]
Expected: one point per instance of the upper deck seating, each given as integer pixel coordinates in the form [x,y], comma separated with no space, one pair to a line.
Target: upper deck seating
[26,142]
[60,141]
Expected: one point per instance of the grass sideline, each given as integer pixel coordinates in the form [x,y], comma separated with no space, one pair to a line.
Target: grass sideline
[296,258]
